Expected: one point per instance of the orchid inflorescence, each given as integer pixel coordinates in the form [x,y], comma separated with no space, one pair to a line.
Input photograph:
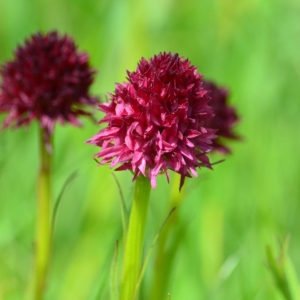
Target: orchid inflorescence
[165,117]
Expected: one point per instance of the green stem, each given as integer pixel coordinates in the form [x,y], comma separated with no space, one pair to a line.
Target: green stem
[43,221]
[165,255]
[135,238]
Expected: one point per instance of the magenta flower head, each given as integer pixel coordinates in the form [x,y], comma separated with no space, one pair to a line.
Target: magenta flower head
[47,80]
[156,120]
[225,117]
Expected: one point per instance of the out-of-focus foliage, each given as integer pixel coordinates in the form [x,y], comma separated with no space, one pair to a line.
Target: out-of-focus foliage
[229,214]
[283,272]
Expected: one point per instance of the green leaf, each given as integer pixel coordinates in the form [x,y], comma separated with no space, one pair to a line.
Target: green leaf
[149,254]
[58,200]
[114,277]
[125,215]
[283,272]
[102,278]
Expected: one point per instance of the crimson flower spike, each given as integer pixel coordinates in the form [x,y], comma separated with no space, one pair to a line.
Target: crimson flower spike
[224,119]
[48,80]
[157,120]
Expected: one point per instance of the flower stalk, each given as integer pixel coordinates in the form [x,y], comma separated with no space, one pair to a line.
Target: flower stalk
[135,238]
[164,259]
[47,81]
[43,221]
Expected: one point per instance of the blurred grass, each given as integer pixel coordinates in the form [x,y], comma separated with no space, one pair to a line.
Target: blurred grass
[229,214]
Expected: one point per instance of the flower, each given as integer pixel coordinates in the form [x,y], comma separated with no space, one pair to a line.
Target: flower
[156,120]
[47,80]
[225,117]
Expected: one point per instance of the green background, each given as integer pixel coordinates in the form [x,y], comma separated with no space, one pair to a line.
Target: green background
[229,214]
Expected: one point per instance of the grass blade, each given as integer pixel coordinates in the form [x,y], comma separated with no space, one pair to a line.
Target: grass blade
[58,200]
[283,272]
[125,216]
[114,278]
[149,253]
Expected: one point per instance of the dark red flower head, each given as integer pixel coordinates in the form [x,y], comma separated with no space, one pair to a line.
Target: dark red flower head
[47,80]
[225,117]
[156,120]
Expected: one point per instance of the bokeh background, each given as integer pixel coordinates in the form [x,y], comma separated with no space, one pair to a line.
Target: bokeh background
[229,214]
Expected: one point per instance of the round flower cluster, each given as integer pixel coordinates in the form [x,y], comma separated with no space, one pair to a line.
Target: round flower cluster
[47,80]
[224,119]
[158,120]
